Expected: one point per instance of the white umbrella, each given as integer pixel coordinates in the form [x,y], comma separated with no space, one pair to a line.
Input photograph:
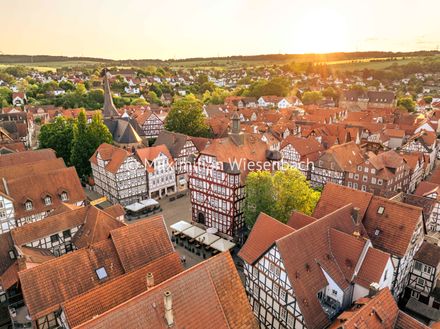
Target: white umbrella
[193,232]
[135,207]
[149,202]
[180,226]
[207,238]
[212,230]
[222,245]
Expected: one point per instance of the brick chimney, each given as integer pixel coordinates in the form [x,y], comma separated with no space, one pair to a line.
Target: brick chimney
[356,220]
[168,304]
[150,280]
[374,289]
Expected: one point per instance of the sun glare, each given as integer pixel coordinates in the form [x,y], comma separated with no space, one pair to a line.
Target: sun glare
[320,31]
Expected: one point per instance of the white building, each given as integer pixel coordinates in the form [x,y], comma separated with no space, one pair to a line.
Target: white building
[159,166]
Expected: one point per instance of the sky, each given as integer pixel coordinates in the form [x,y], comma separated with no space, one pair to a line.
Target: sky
[173,29]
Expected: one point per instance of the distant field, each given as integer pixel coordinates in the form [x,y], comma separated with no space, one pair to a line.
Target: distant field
[52,66]
[221,63]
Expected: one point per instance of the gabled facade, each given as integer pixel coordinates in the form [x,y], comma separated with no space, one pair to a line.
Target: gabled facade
[118,175]
[311,286]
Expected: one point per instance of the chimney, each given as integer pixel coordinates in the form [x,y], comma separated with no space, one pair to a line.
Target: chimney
[150,280]
[168,304]
[374,289]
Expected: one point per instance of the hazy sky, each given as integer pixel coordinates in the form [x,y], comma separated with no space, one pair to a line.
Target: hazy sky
[200,28]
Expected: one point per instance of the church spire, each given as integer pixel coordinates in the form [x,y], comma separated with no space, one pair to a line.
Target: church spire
[109,109]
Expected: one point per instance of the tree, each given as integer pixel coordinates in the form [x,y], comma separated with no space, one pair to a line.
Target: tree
[406,103]
[5,96]
[427,99]
[311,97]
[260,196]
[186,117]
[278,195]
[81,146]
[139,101]
[293,192]
[58,136]
[86,139]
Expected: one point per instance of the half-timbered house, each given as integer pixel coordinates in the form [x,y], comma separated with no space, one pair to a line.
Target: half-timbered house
[216,179]
[301,153]
[159,167]
[182,148]
[118,174]
[432,191]
[125,249]
[382,218]
[333,164]
[150,123]
[424,142]
[423,283]
[416,163]
[333,263]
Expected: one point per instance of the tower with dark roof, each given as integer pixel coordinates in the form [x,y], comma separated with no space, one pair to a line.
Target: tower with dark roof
[109,109]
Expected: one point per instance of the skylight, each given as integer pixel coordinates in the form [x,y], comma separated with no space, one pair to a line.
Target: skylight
[101,273]
[380,210]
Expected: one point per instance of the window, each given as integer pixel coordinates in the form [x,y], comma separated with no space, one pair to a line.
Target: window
[379,182]
[283,313]
[385,275]
[350,175]
[54,238]
[12,254]
[349,184]
[366,169]
[334,292]
[2,214]
[356,176]
[28,205]
[64,196]
[373,171]
[373,180]
[66,234]
[364,188]
[101,273]
[47,200]
[365,179]
[276,289]
[427,269]
[377,232]
[380,210]
[359,168]
[415,294]
[283,294]
[421,282]
[2,205]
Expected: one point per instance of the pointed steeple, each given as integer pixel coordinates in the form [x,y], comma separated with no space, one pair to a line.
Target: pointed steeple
[109,109]
[236,134]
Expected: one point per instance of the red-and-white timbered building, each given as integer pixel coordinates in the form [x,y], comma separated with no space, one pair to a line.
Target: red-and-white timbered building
[308,288]
[216,179]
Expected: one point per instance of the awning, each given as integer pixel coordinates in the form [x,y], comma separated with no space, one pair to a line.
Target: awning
[135,207]
[193,232]
[149,202]
[207,238]
[222,245]
[180,226]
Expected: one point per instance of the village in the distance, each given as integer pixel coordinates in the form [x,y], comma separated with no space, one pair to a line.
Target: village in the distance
[291,195]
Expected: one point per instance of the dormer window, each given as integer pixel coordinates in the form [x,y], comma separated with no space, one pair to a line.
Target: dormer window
[28,205]
[64,196]
[380,210]
[47,200]
[12,254]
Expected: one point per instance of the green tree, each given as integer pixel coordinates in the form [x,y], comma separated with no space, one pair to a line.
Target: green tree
[428,99]
[58,136]
[406,103]
[139,101]
[311,97]
[186,117]
[278,195]
[81,146]
[260,196]
[293,192]
[5,96]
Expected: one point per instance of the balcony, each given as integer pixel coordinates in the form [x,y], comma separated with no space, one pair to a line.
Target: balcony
[19,315]
[330,306]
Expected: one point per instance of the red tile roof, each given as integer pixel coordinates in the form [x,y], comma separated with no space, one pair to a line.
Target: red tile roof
[103,298]
[378,312]
[209,294]
[335,196]
[265,232]
[372,268]
[298,220]
[113,154]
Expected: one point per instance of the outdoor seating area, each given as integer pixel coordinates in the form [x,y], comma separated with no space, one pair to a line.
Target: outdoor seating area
[204,243]
[142,209]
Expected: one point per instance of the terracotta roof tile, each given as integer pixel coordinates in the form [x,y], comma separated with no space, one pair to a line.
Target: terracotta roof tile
[372,267]
[113,154]
[213,288]
[103,298]
[26,157]
[298,220]
[148,240]
[265,232]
